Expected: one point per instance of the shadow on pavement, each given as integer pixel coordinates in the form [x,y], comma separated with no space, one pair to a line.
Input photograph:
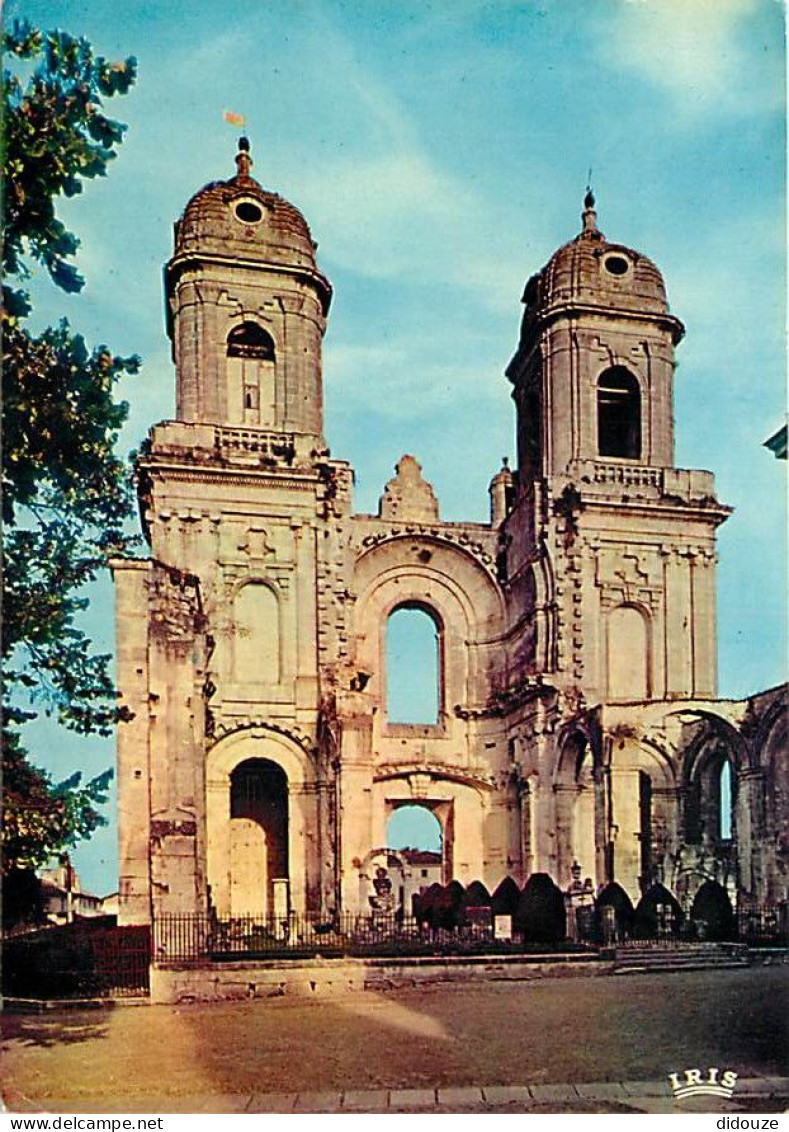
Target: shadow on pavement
[48,1030]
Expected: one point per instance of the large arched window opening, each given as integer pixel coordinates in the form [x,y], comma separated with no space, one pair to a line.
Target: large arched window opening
[619,414]
[710,798]
[250,371]
[412,666]
[258,836]
[414,827]
[725,802]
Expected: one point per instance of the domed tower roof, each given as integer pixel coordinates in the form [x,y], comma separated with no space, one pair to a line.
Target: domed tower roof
[240,219]
[591,273]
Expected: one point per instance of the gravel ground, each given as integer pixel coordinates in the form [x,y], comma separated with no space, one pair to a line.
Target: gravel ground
[635,1027]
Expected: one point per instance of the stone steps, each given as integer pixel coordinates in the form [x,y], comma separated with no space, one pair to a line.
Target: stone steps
[679,957]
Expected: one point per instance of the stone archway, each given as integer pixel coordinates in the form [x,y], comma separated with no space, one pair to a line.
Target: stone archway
[443,813]
[642,813]
[258,838]
[415,834]
[576,809]
[285,813]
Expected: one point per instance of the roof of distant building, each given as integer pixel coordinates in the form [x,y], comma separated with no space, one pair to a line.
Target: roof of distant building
[421,856]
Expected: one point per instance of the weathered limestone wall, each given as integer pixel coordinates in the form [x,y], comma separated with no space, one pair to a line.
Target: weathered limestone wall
[454,768]
[207,303]
[320,978]
[132,579]
[576,632]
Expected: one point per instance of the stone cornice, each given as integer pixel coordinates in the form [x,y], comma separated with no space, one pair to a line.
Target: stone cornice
[187,260]
[571,309]
[503,703]
[258,726]
[214,473]
[704,510]
[455,536]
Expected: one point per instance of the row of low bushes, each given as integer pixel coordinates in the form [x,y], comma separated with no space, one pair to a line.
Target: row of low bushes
[538,910]
[658,912]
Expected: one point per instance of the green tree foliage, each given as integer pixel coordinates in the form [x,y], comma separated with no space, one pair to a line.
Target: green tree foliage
[66,494]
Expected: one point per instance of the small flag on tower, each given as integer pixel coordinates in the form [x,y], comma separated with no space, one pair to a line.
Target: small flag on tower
[235,119]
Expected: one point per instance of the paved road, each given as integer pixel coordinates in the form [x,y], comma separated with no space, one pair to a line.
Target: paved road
[576,1032]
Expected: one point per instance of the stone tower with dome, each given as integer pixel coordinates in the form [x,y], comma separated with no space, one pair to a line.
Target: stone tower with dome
[575,729]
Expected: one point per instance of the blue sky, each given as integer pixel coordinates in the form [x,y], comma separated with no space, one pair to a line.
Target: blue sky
[440,153]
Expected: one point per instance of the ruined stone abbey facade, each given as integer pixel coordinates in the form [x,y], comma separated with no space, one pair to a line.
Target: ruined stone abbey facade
[576,720]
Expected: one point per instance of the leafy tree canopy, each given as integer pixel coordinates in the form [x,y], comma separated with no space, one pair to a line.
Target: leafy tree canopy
[66,495]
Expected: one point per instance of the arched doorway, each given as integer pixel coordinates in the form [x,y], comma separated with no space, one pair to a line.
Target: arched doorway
[258,837]
[712,912]
[416,833]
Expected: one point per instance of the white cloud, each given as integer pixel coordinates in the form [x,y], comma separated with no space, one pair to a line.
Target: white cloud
[377,210]
[697,50]
[401,217]
[397,379]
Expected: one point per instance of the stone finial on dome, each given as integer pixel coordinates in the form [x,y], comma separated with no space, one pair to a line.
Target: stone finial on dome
[589,216]
[243,160]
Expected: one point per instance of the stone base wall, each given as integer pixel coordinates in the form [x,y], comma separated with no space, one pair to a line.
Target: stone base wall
[214,982]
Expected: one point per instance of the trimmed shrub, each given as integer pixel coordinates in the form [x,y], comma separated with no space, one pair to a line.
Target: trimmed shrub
[614,896]
[648,922]
[506,898]
[541,916]
[712,911]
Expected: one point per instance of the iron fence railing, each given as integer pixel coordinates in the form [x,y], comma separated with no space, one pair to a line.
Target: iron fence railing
[764,926]
[80,960]
[194,937]
[190,937]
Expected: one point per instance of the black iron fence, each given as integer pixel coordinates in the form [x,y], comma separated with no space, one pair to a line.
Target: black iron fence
[765,927]
[187,938]
[86,959]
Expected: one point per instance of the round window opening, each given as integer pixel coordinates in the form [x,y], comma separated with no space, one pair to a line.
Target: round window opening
[248,212]
[617,265]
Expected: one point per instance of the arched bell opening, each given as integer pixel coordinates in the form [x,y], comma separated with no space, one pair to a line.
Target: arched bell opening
[251,369]
[619,414]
